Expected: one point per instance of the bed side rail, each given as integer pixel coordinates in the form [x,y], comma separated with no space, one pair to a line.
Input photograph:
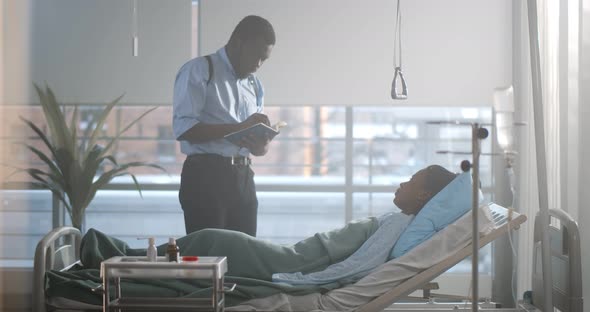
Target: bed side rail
[566,263]
[57,250]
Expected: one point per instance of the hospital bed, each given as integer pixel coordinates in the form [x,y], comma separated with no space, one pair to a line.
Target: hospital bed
[392,281]
[566,267]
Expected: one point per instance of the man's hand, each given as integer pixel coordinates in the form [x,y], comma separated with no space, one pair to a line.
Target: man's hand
[255,119]
[256,145]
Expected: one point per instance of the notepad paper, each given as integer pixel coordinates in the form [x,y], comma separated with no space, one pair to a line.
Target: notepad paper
[259,130]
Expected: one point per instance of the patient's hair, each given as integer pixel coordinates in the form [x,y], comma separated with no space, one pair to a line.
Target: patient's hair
[252,27]
[437,178]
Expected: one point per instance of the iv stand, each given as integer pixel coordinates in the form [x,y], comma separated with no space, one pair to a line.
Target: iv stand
[478,133]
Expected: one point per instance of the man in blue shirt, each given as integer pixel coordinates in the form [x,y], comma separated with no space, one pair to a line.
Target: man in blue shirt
[214,96]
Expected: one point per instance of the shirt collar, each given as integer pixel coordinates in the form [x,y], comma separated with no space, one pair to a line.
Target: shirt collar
[223,54]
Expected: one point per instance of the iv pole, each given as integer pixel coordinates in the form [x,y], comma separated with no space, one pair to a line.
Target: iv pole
[478,133]
[540,149]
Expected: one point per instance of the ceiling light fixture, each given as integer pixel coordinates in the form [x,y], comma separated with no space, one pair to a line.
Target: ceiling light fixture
[397,47]
[134,31]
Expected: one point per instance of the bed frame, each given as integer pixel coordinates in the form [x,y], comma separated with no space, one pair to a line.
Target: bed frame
[58,250]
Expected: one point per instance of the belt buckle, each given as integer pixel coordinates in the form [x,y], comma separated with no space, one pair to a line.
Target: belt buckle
[240,161]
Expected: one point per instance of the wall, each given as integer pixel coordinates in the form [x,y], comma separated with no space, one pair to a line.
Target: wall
[454,52]
[2,53]
[16,48]
[341,51]
[82,49]
[2,132]
[15,283]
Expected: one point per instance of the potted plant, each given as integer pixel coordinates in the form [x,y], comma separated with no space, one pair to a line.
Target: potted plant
[74,172]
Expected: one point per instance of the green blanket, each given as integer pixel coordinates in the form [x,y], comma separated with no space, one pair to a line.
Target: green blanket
[251,263]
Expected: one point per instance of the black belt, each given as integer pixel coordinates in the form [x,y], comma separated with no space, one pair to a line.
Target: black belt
[233,160]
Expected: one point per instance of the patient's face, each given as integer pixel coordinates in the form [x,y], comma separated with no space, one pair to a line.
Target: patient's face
[410,195]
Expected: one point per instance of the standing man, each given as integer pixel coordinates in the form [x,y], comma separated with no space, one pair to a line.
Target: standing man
[213,96]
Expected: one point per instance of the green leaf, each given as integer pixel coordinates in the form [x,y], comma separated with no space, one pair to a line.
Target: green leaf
[55,174]
[56,193]
[64,161]
[120,171]
[74,131]
[136,184]
[53,117]
[46,112]
[41,136]
[84,146]
[79,189]
[58,116]
[88,173]
[37,175]
[109,158]
[114,140]
[101,120]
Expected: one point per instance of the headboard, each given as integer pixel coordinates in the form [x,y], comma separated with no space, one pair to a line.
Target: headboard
[58,250]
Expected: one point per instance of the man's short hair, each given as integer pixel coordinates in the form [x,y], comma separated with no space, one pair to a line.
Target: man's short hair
[438,177]
[252,27]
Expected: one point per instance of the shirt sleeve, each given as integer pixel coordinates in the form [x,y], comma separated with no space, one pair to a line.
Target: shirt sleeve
[189,98]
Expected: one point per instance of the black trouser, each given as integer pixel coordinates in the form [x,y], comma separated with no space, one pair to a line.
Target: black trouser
[214,193]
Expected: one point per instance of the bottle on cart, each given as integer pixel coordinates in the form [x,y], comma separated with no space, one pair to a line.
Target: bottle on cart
[152,252]
[173,251]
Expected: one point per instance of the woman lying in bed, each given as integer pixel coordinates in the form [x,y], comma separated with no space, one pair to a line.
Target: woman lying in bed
[260,259]
[317,264]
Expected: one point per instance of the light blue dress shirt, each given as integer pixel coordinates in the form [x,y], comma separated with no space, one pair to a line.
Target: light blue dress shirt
[225,100]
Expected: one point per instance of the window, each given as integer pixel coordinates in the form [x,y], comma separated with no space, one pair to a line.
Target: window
[166,144]
[305,184]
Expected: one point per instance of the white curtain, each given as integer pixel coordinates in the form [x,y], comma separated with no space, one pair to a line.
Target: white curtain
[528,201]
